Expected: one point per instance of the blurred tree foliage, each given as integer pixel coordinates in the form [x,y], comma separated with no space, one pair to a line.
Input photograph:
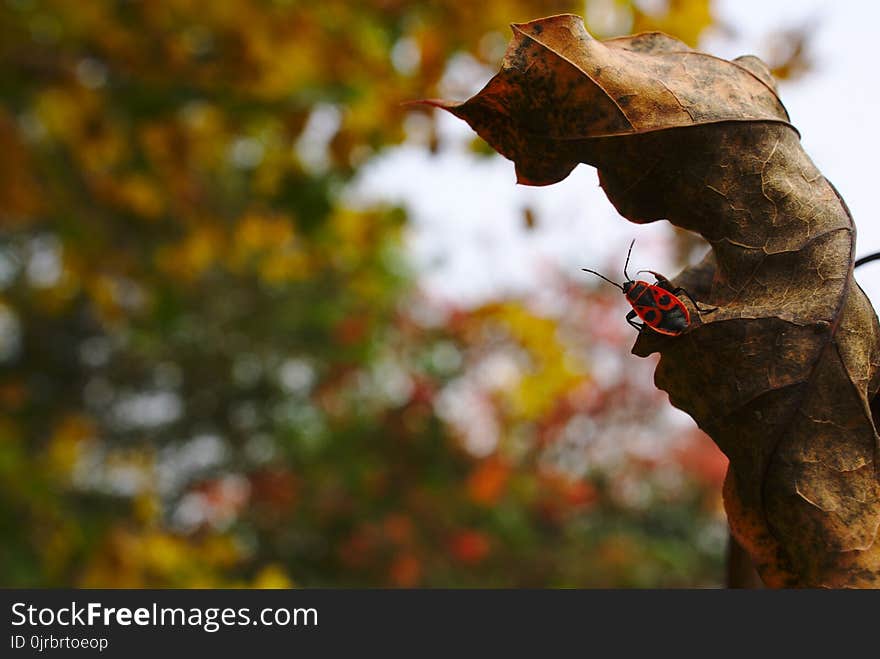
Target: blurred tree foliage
[215,373]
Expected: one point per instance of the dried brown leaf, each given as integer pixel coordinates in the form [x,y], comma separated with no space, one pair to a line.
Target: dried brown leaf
[782,374]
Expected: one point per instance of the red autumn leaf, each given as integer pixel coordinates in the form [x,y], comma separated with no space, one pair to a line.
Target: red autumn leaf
[486,483]
[405,571]
[470,546]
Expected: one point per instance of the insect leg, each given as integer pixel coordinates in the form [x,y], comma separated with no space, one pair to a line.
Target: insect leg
[690,297]
[630,319]
[662,281]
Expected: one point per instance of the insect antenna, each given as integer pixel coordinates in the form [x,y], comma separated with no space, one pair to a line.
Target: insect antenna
[613,283]
[627,259]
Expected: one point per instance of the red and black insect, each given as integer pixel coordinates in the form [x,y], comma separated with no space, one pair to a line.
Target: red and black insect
[656,304]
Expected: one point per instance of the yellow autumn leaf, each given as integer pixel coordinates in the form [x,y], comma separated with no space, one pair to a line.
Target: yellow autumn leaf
[272,576]
[70,440]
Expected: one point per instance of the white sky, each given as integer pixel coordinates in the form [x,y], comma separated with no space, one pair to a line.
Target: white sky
[467,234]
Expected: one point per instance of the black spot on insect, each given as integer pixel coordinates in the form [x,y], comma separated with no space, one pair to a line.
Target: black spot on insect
[650,315]
[664,300]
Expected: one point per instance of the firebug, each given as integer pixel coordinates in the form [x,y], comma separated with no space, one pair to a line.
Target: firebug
[656,304]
